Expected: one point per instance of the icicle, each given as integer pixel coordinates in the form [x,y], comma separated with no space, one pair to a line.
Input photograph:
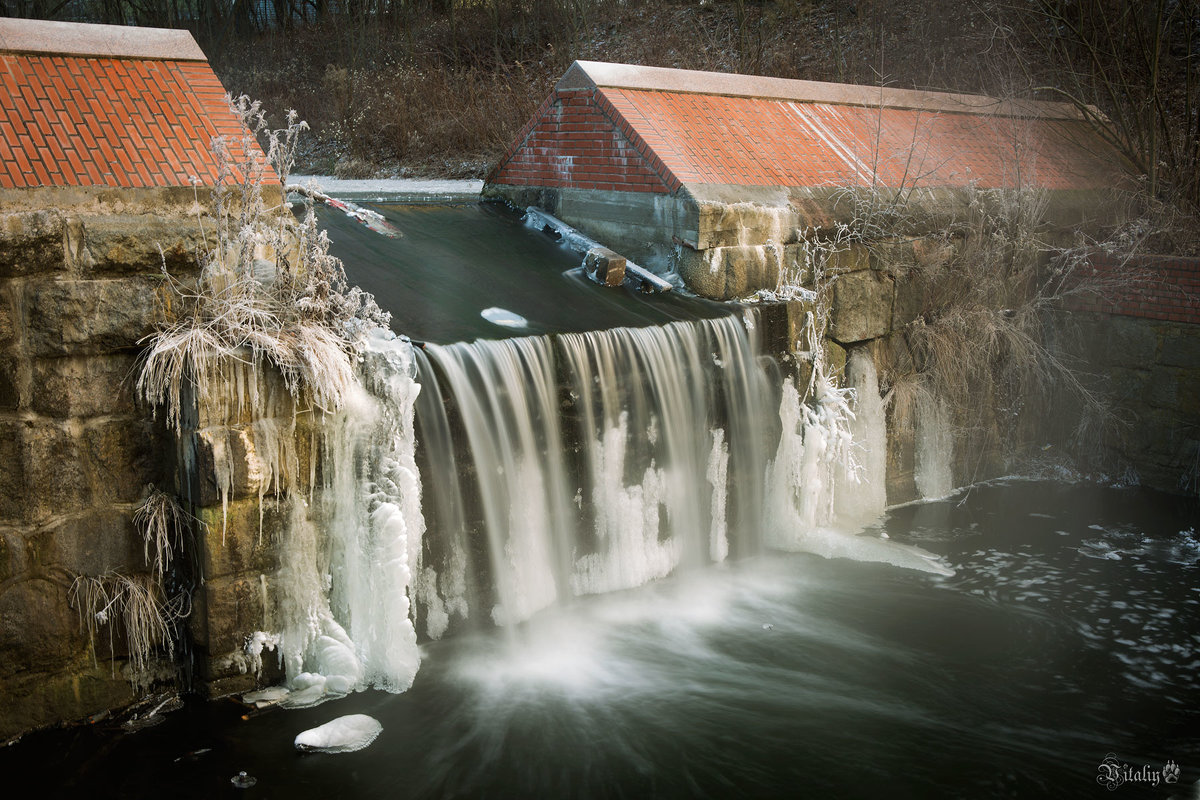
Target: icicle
[935,448]
[718,476]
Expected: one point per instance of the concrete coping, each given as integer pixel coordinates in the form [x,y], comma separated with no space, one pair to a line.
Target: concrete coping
[599,74]
[31,36]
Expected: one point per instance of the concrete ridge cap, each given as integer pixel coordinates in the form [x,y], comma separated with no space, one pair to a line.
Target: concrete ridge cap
[43,37]
[601,75]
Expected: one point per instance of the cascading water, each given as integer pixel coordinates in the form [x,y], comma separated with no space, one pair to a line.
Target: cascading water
[561,466]
[935,448]
[601,461]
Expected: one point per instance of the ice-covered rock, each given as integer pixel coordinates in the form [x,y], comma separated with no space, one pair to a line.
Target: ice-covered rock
[342,735]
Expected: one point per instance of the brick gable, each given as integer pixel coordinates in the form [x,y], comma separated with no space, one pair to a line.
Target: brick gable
[576,140]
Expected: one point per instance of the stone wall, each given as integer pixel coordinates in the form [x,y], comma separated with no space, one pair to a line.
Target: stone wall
[1150,368]
[81,284]
[1140,347]
[239,462]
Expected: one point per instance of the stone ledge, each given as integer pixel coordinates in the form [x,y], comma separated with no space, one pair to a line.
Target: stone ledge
[126,244]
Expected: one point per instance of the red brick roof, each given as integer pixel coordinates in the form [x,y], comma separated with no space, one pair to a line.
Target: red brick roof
[612,126]
[139,111]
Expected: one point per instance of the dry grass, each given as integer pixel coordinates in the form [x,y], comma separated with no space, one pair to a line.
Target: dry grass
[133,606]
[163,524]
[982,330]
[269,293]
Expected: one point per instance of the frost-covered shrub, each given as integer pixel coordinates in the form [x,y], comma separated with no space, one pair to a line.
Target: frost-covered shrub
[268,291]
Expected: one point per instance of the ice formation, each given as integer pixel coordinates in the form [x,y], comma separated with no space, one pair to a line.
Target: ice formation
[935,448]
[342,735]
[338,615]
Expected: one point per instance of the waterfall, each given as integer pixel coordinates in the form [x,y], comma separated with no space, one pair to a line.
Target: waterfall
[601,460]
[596,462]
[553,467]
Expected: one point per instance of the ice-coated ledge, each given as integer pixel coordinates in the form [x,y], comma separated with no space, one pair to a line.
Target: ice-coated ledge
[393,189]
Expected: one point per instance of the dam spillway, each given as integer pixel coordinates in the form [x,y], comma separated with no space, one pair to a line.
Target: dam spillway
[644,642]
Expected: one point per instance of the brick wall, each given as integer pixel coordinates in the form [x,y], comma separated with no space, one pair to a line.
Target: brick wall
[575,141]
[1163,288]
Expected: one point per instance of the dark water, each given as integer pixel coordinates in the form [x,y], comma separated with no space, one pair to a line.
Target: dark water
[454,261]
[1071,630]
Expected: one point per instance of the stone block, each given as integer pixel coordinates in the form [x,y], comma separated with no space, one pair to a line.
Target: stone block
[744,224]
[774,328]
[850,257]
[901,462]
[38,629]
[230,458]
[14,558]
[726,273]
[1126,385]
[12,472]
[798,318]
[123,455]
[54,474]
[862,306]
[84,386]
[91,543]
[238,541]
[234,609]
[31,243]
[835,358]
[10,392]
[130,244]
[229,681]
[1187,397]
[932,253]
[605,266]
[261,380]
[92,316]
[894,356]
[1162,388]
[1130,342]
[912,297]
[8,329]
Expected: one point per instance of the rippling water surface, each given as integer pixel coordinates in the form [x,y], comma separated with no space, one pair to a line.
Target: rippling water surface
[1070,631]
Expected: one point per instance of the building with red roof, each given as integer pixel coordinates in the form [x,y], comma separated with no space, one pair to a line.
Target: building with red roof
[106,105]
[674,165]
